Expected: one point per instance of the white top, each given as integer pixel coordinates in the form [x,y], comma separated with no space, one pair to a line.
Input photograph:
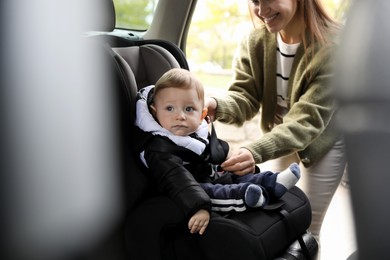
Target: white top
[284,59]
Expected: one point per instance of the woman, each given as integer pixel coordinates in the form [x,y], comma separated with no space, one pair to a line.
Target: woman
[284,66]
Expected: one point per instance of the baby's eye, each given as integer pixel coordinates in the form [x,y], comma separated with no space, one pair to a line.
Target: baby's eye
[255,2]
[169,108]
[189,109]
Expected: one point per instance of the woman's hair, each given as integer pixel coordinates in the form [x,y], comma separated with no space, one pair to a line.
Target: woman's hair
[319,23]
[179,78]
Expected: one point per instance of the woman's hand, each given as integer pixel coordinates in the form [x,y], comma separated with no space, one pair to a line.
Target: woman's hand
[211,105]
[199,222]
[240,162]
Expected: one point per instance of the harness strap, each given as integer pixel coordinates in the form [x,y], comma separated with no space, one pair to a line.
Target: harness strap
[218,148]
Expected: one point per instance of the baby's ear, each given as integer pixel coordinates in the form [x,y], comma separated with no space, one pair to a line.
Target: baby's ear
[204,113]
[153,110]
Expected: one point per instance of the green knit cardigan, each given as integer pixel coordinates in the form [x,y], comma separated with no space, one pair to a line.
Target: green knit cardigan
[308,128]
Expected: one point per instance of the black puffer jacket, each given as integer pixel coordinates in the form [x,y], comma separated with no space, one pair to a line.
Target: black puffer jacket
[177,171]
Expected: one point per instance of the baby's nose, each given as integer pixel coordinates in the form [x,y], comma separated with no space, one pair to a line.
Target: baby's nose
[181,115]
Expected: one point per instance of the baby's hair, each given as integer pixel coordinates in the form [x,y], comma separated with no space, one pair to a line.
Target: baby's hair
[179,78]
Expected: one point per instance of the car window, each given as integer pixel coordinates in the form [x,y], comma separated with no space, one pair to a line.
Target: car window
[134,14]
[216,29]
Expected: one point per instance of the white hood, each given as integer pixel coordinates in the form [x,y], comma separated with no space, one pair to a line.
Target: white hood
[146,121]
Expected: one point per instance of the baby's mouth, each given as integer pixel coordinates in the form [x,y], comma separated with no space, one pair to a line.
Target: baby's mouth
[179,126]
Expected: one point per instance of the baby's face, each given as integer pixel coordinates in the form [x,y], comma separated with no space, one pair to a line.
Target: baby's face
[178,110]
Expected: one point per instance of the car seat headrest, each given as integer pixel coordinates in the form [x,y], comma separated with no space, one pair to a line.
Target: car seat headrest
[101,15]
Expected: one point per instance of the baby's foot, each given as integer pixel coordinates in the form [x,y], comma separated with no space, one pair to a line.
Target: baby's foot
[287,179]
[254,197]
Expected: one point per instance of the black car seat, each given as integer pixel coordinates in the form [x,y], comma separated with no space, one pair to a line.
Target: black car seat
[141,61]
[156,228]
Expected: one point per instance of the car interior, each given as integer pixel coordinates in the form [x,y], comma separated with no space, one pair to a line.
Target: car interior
[113,213]
[364,98]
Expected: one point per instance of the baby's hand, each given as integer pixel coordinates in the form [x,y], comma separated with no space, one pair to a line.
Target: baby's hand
[199,222]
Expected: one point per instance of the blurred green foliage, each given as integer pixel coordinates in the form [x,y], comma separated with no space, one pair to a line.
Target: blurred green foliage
[134,14]
[216,28]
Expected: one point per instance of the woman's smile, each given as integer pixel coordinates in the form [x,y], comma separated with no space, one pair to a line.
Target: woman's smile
[268,20]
